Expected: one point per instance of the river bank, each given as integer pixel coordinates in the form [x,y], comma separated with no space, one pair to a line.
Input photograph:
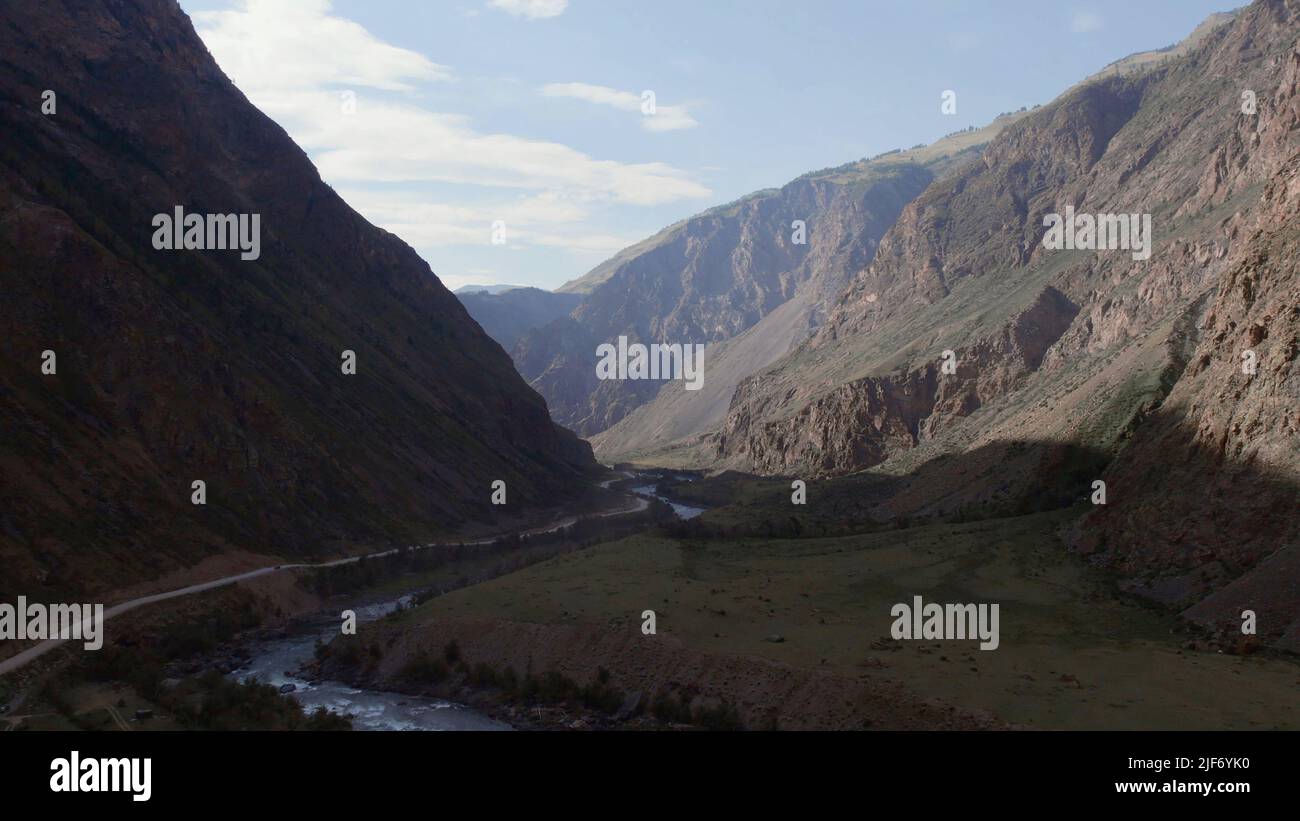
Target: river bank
[263,624]
[288,659]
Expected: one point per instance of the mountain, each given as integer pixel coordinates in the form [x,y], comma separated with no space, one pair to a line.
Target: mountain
[1077,366]
[481,289]
[1207,493]
[1144,60]
[719,274]
[675,418]
[507,314]
[177,366]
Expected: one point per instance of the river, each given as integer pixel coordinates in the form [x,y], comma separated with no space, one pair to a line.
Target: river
[272,662]
[647,490]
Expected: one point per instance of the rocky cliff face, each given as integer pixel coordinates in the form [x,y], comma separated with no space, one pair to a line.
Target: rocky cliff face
[669,428]
[966,259]
[176,366]
[1204,503]
[1068,359]
[708,279]
[863,421]
[735,275]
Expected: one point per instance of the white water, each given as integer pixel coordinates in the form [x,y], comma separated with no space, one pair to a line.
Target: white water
[683,511]
[273,662]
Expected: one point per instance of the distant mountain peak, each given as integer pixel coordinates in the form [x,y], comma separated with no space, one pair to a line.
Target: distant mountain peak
[486,289]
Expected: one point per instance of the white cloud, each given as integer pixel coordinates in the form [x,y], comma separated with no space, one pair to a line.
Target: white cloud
[394,142]
[1084,22]
[532,9]
[270,45]
[664,118]
[294,59]
[546,219]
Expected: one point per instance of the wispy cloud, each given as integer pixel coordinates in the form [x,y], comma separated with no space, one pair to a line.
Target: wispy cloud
[664,118]
[546,220]
[532,9]
[296,60]
[387,141]
[269,45]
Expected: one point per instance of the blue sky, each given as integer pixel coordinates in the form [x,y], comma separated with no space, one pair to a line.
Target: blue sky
[437,119]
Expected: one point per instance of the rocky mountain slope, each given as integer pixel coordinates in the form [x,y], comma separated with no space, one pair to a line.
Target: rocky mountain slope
[964,266]
[177,366]
[1206,498]
[508,314]
[718,276]
[674,428]
[1064,359]
[675,418]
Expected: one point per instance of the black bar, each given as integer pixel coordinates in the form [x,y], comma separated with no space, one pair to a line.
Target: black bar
[300,771]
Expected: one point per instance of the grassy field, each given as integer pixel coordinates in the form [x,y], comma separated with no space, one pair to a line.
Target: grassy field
[1073,653]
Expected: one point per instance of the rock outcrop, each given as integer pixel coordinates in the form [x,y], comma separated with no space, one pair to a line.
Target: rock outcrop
[865,420]
[966,259]
[1069,360]
[708,279]
[1204,503]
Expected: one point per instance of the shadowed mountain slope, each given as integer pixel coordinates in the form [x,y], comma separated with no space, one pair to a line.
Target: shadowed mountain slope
[509,313]
[1137,360]
[177,366]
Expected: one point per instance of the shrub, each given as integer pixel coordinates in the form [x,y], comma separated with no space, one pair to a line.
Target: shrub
[669,708]
[424,668]
[483,675]
[509,680]
[722,716]
[556,687]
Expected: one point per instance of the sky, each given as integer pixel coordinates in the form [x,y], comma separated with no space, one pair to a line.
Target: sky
[517,141]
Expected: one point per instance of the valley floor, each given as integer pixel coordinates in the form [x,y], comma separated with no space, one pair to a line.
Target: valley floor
[1074,654]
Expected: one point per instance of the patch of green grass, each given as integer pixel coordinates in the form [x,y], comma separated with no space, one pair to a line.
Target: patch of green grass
[1073,654]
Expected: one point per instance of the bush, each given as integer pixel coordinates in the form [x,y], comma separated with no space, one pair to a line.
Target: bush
[483,676]
[723,716]
[347,651]
[675,708]
[425,669]
[670,709]
[556,687]
[509,680]
[600,696]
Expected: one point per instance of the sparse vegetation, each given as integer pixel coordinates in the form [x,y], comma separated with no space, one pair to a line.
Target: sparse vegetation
[206,701]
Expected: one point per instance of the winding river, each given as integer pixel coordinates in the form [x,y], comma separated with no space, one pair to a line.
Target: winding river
[683,511]
[274,660]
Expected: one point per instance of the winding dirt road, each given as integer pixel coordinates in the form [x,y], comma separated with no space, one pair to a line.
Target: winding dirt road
[30,654]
